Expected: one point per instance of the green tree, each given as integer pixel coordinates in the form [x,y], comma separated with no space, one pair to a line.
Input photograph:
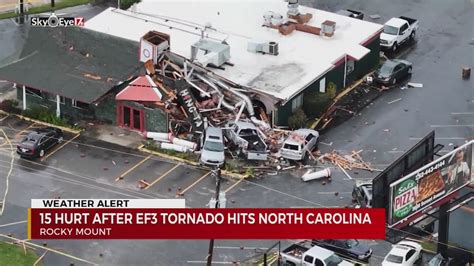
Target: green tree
[125,4]
[298,119]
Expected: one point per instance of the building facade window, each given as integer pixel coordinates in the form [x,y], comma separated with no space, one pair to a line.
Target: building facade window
[350,65]
[79,104]
[322,85]
[52,97]
[34,92]
[297,102]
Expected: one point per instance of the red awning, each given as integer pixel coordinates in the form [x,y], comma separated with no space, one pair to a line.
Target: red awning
[142,89]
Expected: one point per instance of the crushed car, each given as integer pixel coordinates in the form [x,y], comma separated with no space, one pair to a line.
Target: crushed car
[246,137]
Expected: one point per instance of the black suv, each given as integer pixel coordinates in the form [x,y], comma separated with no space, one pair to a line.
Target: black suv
[350,248]
[38,141]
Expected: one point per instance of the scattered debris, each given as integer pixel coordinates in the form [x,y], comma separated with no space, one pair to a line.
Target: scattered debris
[374,16]
[327,144]
[466,72]
[394,101]
[347,162]
[95,77]
[472,41]
[415,85]
[386,130]
[310,175]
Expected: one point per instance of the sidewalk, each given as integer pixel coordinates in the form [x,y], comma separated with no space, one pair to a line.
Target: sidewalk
[113,134]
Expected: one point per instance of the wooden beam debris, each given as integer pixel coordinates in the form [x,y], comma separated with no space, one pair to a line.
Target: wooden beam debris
[346,161]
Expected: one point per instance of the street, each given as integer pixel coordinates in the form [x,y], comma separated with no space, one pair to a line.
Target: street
[82,167]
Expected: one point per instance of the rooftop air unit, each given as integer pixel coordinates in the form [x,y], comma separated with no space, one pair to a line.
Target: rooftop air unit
[208,52]
[264,47]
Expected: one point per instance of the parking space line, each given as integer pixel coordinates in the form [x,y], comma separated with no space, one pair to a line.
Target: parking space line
[195,182]
[163,175]
[24,130]
[234,185]
[132,168]
[59,147]
[5,117]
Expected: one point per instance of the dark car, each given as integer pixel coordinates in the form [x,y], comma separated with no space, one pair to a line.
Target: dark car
[393,71]
[39,141]
[350,248]
[351,13]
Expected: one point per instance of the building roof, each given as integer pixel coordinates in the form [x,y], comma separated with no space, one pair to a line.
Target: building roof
[73,62]
[141,89]
[302,58]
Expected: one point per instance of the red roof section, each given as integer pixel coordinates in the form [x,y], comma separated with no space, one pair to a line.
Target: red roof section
[142,89]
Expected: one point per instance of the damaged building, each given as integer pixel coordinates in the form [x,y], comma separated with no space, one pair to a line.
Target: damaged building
[264,59]
[85,75]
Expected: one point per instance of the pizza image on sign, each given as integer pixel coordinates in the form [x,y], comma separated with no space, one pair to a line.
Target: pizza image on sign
[429,185]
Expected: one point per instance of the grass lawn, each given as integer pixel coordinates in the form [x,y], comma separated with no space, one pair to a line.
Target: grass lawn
[14,255]
[47,7]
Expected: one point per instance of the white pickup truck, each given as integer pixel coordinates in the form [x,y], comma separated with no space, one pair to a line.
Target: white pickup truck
[305,254]
[396,31]
[245,135]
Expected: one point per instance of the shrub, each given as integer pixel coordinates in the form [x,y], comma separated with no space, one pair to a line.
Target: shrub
[298,119]
[125,4]
[9,106]
[48,116]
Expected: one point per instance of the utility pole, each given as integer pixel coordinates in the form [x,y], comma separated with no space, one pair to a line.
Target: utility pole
[52,3]
[217,173]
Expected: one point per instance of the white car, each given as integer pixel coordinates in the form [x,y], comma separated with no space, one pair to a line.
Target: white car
[405,253]
[297,146]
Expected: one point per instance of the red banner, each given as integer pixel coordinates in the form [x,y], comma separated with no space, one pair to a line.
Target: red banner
[206,223]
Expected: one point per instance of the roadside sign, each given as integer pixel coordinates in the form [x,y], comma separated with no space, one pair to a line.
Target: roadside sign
[431,183]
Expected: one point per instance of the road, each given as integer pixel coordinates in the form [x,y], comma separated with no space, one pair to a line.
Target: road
[85,168]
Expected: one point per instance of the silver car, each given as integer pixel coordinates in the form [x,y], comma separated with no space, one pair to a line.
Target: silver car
[299,144]
[212,152]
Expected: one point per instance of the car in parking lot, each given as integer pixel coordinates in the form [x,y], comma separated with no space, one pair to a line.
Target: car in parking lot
[362,194]
[300,142]
[393,71]
[212,152]
[351,13]
[39,141]
[405,253]
[350,248]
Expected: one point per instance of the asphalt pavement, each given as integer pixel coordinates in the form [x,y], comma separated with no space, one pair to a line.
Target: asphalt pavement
[87,168]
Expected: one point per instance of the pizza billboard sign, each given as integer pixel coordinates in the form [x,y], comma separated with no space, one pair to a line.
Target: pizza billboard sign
[431,183]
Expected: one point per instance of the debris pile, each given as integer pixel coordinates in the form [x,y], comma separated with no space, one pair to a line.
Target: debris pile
[346,162]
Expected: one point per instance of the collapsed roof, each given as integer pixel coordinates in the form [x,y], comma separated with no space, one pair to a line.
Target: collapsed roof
[301,57]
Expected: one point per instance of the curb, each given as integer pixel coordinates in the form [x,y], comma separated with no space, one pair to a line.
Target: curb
[66,129]
[173,158]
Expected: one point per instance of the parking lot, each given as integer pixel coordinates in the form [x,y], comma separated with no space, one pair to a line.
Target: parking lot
[93,164]
[85,168]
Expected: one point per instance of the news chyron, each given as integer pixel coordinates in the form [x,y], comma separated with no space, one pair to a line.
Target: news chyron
[54,21]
